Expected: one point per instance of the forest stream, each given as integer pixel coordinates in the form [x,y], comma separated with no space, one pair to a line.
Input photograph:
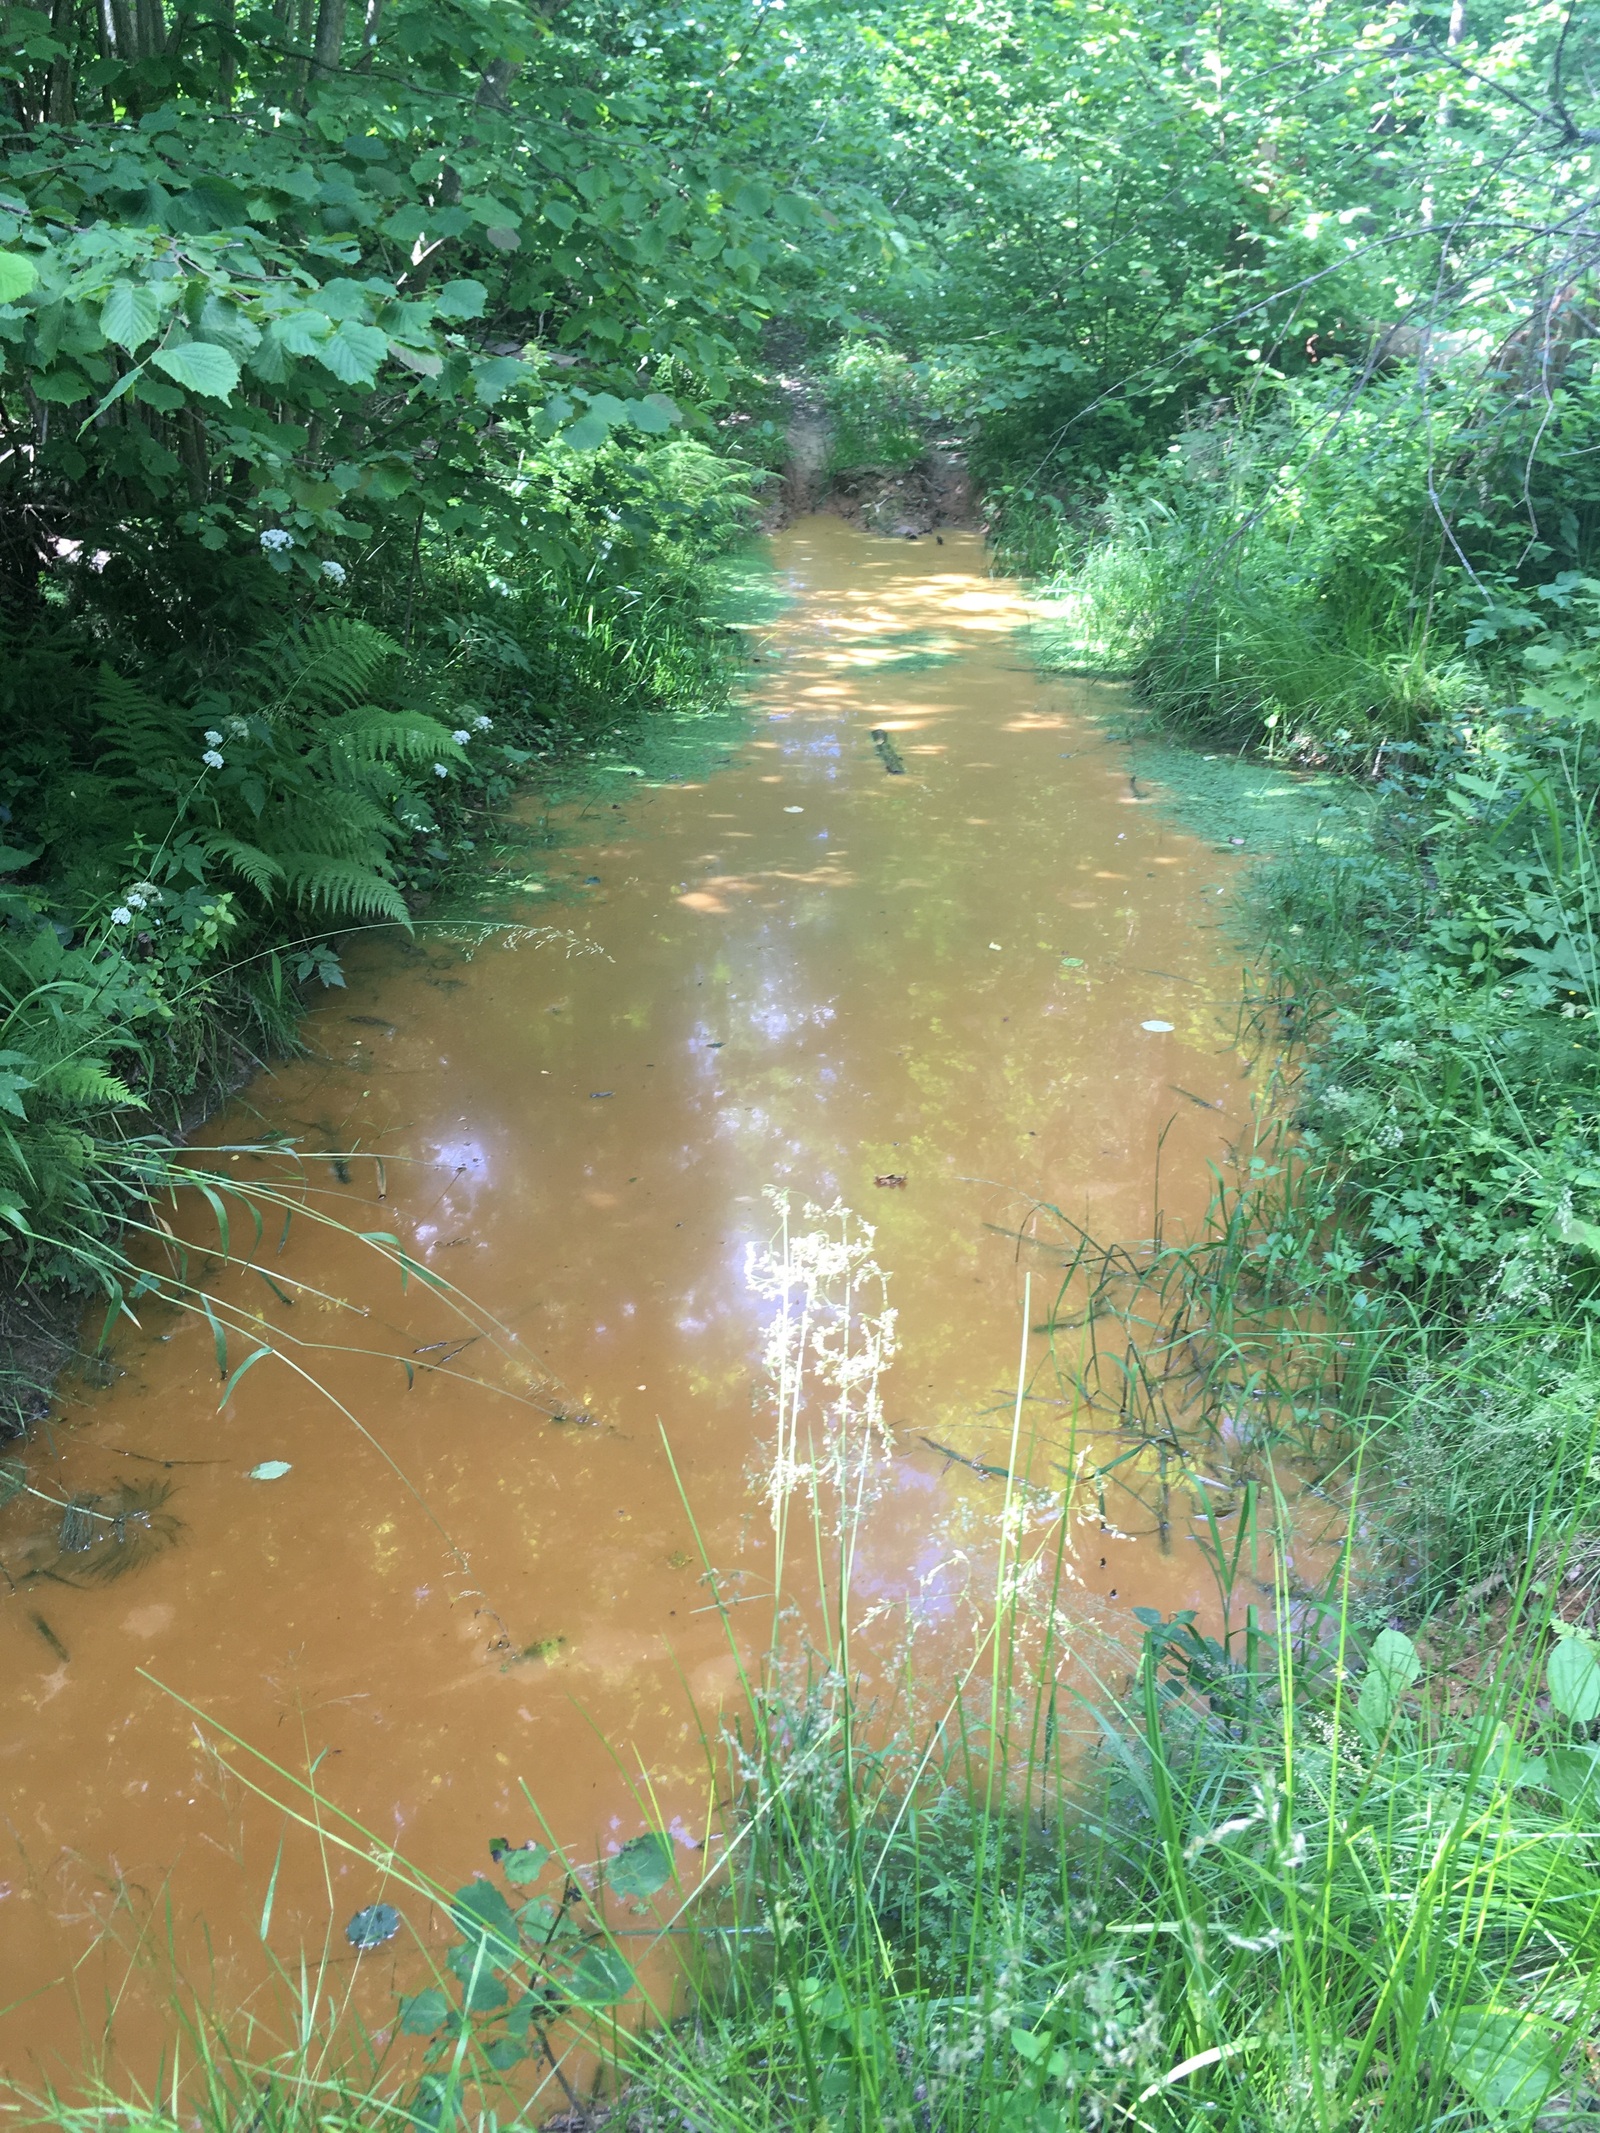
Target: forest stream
[922,946]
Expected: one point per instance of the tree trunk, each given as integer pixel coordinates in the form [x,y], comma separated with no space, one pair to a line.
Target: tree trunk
[150,23]
[64,28]
[300,64]
[227,57]
[329,49]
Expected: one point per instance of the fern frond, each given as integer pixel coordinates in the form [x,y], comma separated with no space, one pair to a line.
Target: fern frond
[325,665]
[334,821]
[142,736]
[368,734]
[342,888]
[259,868]
[87,1085]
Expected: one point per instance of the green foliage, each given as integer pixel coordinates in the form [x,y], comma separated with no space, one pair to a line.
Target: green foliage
[1323,1900]
[185,836]
[877,409]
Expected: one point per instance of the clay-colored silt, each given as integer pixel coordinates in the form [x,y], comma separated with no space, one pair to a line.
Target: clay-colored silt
[1000,976]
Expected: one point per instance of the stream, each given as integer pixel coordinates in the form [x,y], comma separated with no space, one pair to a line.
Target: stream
[476,1556]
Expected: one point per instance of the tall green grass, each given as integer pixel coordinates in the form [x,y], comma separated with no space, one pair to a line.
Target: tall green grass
[1305,1873]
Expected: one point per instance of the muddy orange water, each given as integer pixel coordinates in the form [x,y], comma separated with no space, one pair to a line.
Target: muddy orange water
[1002,977]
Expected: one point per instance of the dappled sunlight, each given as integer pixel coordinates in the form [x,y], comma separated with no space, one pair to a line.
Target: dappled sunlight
[883,1001]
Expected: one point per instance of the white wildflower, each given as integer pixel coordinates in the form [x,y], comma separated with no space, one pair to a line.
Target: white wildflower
[212,759]
[122,916]
[481,724]
[825,1338]
[333,570]
[133,900]
[275,539]
[213,737]
[440,771]
[461,736]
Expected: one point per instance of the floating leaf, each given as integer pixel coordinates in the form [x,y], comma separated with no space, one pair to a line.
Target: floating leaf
[483,1915]
[485,1994]
[601,1979]
[270,1470]
[373,1926]
[424,2014]
[524,1864]
[1392,1668]
[643,1866]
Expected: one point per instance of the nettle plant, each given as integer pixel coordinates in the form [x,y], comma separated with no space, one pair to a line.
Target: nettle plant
[535,1950]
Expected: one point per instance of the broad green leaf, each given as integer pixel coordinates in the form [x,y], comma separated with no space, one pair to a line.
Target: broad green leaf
[481,1912]
[299,333]
[353,352]
[1573,1675]
[461,299]
[228,326]
[601,1979]
[485,1994]
[64,386]
[201,366]
[421,360]
[559,212]
[655,414]
[342,298]
[424,2013]
[406,224]
[542,1920]
[523,1864]
[588,433]
[493,379]
[1507,2063]
[643,1866]
[1392,1668]
[17,276]
[130,315]
[13,1087]
[1573,1775]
